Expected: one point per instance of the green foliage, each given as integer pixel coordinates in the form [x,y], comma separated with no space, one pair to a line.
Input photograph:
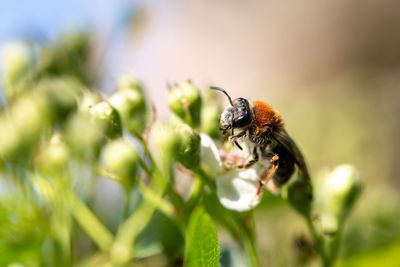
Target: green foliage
[386,256]
[202,248]
[64,148]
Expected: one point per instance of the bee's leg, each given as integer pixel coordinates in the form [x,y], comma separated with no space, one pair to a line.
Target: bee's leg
[252,161]
[268,173]
[233,138]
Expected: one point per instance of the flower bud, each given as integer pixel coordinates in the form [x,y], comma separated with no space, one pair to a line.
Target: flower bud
[185,101]
[106,113]
[76,43]
[17,59]
[343,186]
[210,121]
[68,56]
[61,96]
[85,136]
[339,189]
[27,121]
[131,104]
[129,82]
[189,151]
[166,143]
[120,159]
[87,101]
[53,158]
[300,196]
[210,114]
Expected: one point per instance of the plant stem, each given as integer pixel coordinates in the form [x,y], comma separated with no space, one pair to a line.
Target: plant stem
[165,207]
[196,192]
[122,249]
[251,252]
[249,242]
[206,179]
[127,198]
[319,242]
[90,223]
[334,244]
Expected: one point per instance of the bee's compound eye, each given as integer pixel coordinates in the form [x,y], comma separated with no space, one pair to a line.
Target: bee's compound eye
[242,121]
[243,113]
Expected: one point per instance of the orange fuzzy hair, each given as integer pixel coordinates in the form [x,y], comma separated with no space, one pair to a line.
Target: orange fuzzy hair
[265,114]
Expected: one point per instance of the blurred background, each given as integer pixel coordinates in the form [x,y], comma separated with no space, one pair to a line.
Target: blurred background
[332,68]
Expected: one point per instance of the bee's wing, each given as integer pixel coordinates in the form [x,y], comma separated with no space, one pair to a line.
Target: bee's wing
[283,138]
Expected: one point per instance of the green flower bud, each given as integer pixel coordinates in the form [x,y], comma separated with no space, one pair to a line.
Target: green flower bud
[52,159]
[132,108]
[22,130]
[300,196]
[129,82]
[210,114]
[106,113]
[185,101]
[338,191]
[69,56]
[210,121]
[61,95]
[17,59]
[189,151]
[131,104]
[77,43]
[120,159]
[166,142]
[30,114]
[85,136]
[343,186]
[87,101]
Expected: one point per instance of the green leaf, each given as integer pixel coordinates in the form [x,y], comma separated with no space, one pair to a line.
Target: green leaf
[202,248]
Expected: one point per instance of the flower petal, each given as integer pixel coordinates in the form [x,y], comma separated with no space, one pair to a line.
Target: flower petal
[209,154]
[237,190]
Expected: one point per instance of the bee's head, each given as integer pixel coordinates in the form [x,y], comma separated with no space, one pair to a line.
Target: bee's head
[238,115]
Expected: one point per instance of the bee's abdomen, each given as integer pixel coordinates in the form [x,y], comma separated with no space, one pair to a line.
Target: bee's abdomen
[286,166]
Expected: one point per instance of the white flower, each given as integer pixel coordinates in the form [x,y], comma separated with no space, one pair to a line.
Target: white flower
[209,154]
[236,188]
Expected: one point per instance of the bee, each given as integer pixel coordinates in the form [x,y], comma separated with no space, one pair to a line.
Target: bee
[264,127]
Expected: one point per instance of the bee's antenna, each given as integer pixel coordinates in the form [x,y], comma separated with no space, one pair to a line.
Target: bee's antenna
[223,91]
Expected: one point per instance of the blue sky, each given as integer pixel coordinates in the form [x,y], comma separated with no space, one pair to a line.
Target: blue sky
[45,18]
